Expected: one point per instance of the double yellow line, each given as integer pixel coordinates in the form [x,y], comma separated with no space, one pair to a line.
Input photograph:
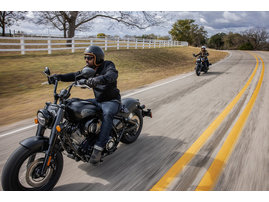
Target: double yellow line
[212,174]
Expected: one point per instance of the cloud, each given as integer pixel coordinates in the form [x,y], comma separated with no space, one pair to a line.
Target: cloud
[203,21]
[213,22]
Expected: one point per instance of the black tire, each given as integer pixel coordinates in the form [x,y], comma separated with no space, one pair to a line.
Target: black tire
[10,175]
[198,70]
[130,137]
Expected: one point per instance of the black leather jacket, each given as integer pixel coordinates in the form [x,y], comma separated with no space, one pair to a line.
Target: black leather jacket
[106,76]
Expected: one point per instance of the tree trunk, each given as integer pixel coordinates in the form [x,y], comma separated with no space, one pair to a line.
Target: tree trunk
[71,34]
[3,23]
[3,30]
[72,27]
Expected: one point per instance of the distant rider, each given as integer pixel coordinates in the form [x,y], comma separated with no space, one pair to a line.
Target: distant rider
[107,95]
[203,53]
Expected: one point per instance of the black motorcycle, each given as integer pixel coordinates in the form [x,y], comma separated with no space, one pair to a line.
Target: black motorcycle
[201,65]
[74,127]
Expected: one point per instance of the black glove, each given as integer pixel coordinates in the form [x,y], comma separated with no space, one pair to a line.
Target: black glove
[53,78]
[194,55]
[92,82]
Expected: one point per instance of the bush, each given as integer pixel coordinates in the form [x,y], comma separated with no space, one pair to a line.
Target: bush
[246,46]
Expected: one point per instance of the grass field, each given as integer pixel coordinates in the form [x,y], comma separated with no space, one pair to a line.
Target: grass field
[21,92]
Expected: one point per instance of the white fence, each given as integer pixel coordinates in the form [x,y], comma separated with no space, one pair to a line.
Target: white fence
[23,44]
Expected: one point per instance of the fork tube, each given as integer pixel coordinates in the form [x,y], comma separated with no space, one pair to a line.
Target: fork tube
[55,92]
[52,140]
[40,130]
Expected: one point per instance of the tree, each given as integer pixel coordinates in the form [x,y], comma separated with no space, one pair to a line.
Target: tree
[233,40]
[257,37]
[216,41]
[186,30]
[101,35]
[199,36]
[9,18]
[70,21]
[149,36]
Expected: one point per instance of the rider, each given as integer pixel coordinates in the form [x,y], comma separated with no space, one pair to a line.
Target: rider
[203,53]
[107,95]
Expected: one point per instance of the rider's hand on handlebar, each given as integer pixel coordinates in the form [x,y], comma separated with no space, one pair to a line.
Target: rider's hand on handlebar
[91,82]
[53,78]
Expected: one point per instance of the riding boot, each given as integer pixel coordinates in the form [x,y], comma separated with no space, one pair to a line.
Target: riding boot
[96,155]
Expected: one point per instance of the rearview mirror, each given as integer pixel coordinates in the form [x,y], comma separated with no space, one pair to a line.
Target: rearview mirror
[86,73]
[47,71]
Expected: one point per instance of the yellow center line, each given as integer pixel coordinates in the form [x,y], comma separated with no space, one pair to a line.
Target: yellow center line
[211,176]
[169,176]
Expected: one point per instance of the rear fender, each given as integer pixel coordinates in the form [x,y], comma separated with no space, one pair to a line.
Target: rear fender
[36,143]
[130,103]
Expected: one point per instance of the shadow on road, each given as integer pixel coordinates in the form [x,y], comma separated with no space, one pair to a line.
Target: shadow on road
[212,73]
[131,167]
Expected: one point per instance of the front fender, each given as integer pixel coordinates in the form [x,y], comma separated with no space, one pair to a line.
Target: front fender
[36,142]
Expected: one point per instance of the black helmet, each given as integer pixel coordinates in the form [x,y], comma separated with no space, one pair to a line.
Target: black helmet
[97,53]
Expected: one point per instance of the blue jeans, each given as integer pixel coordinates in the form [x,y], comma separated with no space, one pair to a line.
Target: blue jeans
[110,109]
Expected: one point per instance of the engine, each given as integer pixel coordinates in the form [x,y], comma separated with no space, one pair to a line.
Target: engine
[78,133]
[84,136]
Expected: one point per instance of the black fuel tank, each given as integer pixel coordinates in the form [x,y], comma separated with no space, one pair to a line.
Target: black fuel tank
[78,109]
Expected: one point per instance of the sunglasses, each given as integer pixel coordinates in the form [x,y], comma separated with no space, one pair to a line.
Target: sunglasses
[88,57]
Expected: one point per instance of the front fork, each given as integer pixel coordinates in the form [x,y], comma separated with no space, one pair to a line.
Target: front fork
[52,140]
[40,133]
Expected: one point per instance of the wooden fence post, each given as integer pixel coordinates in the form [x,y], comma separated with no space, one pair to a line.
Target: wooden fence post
[128,43]
[118,44]
[135,43]
[49,46]
[73,45]
[143,43]
[22,46]
[106,44]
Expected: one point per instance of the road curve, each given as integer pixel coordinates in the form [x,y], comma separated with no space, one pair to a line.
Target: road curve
[183,108]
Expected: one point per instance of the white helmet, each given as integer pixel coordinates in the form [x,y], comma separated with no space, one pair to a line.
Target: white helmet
[203,47]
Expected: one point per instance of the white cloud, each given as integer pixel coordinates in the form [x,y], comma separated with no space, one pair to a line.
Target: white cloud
[202,20]
[230,16]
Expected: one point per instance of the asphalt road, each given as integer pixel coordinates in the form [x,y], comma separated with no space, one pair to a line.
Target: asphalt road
[183,108]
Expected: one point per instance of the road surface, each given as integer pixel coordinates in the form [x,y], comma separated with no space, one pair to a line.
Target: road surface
[169,155]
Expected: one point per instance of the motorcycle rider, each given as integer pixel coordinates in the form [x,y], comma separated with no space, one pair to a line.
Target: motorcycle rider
[107,95]
[203,53]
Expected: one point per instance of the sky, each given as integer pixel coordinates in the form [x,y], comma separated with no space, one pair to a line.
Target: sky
[215,18]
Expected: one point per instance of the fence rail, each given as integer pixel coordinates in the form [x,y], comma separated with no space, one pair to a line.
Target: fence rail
[23,44]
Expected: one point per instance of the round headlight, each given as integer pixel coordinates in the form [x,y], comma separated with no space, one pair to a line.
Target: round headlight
[43,117]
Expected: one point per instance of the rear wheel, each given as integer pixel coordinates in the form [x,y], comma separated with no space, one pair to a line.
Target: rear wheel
[206,69]
[135,129]
[21,171]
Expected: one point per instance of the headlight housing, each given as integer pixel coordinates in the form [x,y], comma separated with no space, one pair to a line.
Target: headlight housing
[44,117]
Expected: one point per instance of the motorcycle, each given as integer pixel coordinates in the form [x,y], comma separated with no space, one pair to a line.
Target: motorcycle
[201,65]
[74,126]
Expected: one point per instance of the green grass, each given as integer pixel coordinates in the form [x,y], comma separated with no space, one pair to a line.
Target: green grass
[21,92]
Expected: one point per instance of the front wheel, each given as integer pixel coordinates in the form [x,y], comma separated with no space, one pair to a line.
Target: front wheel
[198,70]
[133,130]
[21,171]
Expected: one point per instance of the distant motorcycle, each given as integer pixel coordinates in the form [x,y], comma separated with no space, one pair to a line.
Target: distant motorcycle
[74,127]
[201,65]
